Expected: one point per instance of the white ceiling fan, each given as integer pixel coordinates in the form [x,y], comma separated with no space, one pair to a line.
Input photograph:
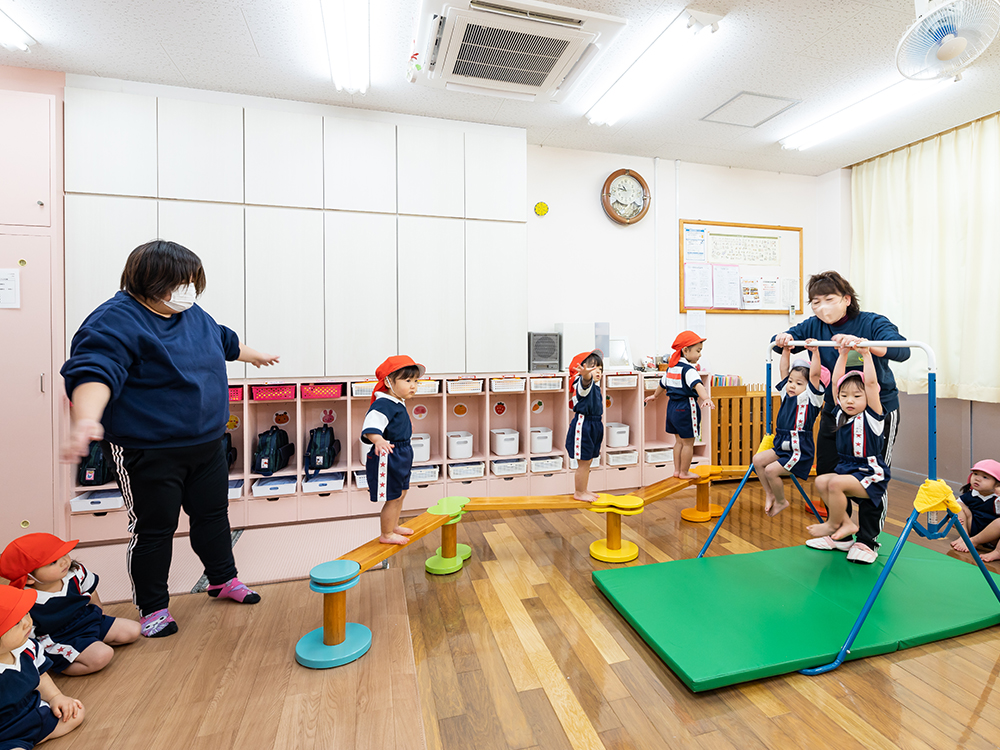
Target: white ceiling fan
[946,37]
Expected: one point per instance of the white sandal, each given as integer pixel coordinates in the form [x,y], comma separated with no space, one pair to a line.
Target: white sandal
[828,544]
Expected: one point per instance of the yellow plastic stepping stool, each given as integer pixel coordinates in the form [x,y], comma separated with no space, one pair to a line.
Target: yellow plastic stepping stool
[614,549]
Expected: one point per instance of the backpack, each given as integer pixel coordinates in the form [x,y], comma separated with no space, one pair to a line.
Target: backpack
[273,452]
[93,469]
[230,450]
[322,450]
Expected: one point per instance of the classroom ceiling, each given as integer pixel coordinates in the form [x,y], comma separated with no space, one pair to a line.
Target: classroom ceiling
[825,54]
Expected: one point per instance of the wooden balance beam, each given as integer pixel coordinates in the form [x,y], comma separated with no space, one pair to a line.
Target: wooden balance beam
[370,554]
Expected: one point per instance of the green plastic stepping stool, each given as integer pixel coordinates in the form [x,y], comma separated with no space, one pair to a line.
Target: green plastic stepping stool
[450,554]
[338,642]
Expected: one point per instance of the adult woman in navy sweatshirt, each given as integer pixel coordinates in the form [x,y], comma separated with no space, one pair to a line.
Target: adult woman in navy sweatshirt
[838,317]
[147,372]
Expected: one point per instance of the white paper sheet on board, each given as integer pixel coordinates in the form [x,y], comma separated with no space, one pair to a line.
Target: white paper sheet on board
[769,295]
[726,286]
[10,288]
[695,249]
[697,321]
[790,292]
[697,285]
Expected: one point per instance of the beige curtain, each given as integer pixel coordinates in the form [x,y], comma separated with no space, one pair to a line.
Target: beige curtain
[926,254]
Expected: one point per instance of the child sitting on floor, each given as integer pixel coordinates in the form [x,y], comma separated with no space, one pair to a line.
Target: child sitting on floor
[861,472]
[586,430]
[31,706]
[802,387]
[980,503]
[77,635]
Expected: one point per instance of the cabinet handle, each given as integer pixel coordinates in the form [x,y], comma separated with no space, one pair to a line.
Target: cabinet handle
[40,203]
[41,382]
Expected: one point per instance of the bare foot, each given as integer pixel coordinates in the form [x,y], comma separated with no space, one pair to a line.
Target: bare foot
[847,528]
[821,529]
[776,508]
[402,530]
[393,539]
[687,475]
[959,545]
[993,556]
[768,502]
[586,497]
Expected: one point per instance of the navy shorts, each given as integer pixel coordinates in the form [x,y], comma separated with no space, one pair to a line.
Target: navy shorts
[583,441]
[683,417]
[89,628]
[865,474]
[798,448]
[389,475]
[30,728]
[981,518]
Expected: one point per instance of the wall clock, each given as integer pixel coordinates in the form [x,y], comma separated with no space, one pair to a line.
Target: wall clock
[625,196]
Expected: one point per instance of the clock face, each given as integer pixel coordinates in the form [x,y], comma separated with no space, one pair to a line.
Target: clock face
[625,197]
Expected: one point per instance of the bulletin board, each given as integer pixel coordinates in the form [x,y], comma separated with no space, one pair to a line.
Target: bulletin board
[740,268]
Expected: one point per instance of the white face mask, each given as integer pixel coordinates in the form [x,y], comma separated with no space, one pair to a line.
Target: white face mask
[181,298]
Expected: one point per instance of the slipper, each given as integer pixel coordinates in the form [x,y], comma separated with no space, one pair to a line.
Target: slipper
[862,554]
[828,544]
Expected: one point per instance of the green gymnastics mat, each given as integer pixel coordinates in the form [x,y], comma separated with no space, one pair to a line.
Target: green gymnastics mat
[723,620]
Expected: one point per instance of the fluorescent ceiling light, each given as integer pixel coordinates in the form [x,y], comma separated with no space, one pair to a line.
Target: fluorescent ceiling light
[885,102]
[347,33]
[12,36]
[672,51]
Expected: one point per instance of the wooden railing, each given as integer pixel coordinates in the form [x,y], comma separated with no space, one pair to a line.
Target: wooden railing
[739,423]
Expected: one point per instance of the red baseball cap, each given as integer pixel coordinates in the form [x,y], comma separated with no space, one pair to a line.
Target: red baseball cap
[396,362]
[684,339]
[30,552]
[14,605]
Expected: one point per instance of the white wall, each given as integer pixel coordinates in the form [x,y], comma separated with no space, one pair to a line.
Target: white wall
[584,267]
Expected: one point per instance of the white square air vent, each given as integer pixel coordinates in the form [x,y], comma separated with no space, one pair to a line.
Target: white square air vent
[749,110]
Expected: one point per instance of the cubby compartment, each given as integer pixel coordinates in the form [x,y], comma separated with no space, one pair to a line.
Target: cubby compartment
[468,412]
[332,413]
[261,416]
[622,415]
[236,429]
[508,418]
[550,409]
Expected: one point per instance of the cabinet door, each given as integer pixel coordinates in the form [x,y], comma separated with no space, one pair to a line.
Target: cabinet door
[496,174]
[101,231]
[432,292]
[27,463]
[360,291]
[214,232]
[110,143]
[200,151]
[284,289]
[25,150]
[284,158]
[496,294]
[360,158]
[431,171]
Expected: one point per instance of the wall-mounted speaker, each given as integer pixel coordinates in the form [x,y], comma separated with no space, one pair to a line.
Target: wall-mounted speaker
[544,352]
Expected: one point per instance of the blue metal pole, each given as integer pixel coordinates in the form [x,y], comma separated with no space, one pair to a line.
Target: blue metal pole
[729,506]
[975,555]
[932,425]
[767,398]
[846,649]
[805,497]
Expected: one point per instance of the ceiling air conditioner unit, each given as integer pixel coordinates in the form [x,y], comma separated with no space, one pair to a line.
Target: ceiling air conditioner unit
[518,49]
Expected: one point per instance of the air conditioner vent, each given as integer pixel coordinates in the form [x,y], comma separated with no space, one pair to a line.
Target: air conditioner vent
[522,13]
[509,56]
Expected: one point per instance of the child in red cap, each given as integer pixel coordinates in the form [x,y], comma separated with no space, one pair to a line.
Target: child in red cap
[76,634]
[688,396]
[586,430]
[387,427]
[31,705]
[980,501]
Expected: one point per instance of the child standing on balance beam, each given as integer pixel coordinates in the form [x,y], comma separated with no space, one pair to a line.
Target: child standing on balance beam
[586,430]
[387,427]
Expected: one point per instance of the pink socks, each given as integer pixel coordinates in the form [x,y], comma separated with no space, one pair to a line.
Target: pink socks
[236,590]
[159,624]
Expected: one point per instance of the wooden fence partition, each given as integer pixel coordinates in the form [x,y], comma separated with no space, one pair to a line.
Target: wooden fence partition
[739,423]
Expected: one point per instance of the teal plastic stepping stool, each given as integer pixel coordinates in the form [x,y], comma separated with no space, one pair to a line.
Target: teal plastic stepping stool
[338,642]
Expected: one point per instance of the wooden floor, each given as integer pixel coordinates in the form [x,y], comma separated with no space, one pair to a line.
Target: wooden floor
[519,650]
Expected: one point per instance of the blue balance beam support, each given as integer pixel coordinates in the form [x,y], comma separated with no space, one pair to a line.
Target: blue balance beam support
[338,642]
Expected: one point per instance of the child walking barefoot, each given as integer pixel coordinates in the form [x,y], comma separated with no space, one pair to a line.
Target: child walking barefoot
[802,387]
[861,472]
[387,427]
[76,634]
[980,503]
[688,396]
[586,430]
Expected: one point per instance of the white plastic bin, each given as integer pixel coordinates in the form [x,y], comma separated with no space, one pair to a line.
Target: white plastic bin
[505,442]
[617,435]
[365,447]
[459,444]
[331,482]
[98,501]
[235,489]
[271,486]
[421,444]
[541,439]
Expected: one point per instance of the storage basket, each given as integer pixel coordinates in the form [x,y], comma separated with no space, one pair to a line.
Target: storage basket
[546,464]
[546,384]
[659,455]
[272,392]
[363,388]
[425,387]
[505,467]
[361,480]
[622,381]
[322,390]
[236,393]
[421,474]
[622,458]
[651,383]
[473,385]
[507,385]
[595,463]
[472,470]
[331,482]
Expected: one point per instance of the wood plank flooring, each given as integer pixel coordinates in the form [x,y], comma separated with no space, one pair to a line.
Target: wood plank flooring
[520,650]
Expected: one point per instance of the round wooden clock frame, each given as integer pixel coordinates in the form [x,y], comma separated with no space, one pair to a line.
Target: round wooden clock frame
[606,197]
